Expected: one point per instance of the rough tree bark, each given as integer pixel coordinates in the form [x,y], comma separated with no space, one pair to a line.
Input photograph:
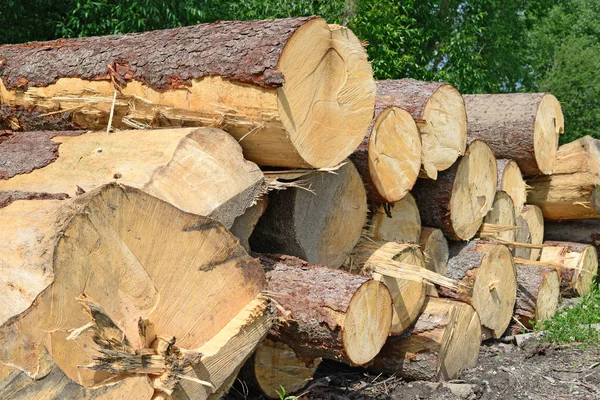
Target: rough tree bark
[395,222]
[580,265]
[578,231]
[538,293]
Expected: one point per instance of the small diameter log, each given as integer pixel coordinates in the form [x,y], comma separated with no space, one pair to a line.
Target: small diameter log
[523,236]
[175,165]
[389,157]
[580,265]
[435,250]
[321,225]
[408,293]
[573,189]
[518,126]
[327,313]
[445,340]
[510,180]
[487,281]
[395,222]
[90,283]
[439,111]
[244,225]
[499,223]
[461,196]
[275,365]
[538,294]
[535,226]
[260,80]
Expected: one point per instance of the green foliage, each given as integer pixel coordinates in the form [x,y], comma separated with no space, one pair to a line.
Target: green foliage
[571,325]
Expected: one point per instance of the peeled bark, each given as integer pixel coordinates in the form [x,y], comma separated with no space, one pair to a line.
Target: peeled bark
[444,341]
[320,226]
[510,180]
[538,294]
[327,313]
[94,277]
[573,189]
[244,225]
[439,111]
[487,281]
[500,222]
[395,222]
[299,93]
[518,126]
[435,250]
[461,196]
[580,265]
[199,170]
[535,226]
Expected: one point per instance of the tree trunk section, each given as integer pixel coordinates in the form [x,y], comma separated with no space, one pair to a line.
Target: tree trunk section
[538,294]
[573,189]
[487,281]
[518,126]
[260,80]
[320,225]
[444,341]
[580,265]
[461,196]
[395,222]
[578,231]
[175,165]
[329,313]
[244,225]
[439,111]
[510,180]
[435,250]
[97,281]
[535,226]
[500,223]
[522,236]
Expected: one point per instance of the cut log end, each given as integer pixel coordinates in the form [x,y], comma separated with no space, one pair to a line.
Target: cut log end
[538,293]
[549,124]
[580,265]
[511,181]
[500,223]
[435,250]
[397,222]
[535,226]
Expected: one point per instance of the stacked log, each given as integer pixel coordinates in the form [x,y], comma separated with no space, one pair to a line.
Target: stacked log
[395,222]
[435,250]
[510,180]
[538,294]
[535,227]
[577,264]
[500,223]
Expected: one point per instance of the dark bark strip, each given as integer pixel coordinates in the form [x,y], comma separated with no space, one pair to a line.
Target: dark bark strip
[19,118]
[8,196]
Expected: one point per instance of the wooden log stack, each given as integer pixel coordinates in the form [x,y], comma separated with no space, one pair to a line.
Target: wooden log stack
[246,199]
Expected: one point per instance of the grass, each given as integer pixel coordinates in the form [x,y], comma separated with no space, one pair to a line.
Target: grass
[572,324]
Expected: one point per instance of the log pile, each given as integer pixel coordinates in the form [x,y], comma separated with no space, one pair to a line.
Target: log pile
[245,202]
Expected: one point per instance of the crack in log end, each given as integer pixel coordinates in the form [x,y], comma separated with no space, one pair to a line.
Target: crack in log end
[8,196]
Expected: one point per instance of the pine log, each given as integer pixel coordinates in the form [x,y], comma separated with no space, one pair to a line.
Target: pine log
[395,222]
[535,226]
[538,294]
[320,225]
[199,170]
[327,313]
[244,225]
[408,293]
[523,236]
[461,196]
[573,189]
[518,126]
[445,340]
[439,111]
[500,222]
[276,365]
[487,281]
[580,265]
[510,180]
[389,157]
[435,250]
[93,282]
[299,93]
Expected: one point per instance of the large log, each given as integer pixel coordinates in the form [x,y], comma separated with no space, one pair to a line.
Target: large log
[461,196]
[395,222]
[487,281]
[389,157]
[320,225]
[327,313]
[518,126]
[500,222]
[294,91]
[439,111]
[538,294]
[435,250]
[577,264]
[199,170]
[96,280]
[573,189]
[535,227]
[510,180]
[444,341]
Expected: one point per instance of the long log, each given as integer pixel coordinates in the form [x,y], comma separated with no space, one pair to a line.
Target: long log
[199,170]
[535,226]
[294,92]
[487,281]
[500,222]
[518,126]
[320,225]
[573,189]
[435,250]
[461,196]
[93,282]
[395,222]
[510,180]
[445,340]
[538,294]
[580,265]
[389,157]
[327,313]
[439,111]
